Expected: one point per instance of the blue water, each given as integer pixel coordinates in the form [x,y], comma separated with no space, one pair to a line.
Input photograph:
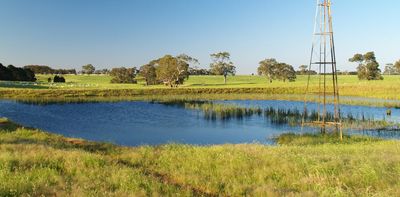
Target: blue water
[143,123]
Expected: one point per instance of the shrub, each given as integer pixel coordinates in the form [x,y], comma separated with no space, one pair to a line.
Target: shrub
[59,79]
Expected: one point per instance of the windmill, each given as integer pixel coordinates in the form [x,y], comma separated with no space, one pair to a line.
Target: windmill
[323,58]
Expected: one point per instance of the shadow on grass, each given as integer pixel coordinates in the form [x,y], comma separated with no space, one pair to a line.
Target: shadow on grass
[8,126]
[20,86]
[219,84]
[46,139]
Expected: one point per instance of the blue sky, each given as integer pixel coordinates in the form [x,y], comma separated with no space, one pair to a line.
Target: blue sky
[71,33]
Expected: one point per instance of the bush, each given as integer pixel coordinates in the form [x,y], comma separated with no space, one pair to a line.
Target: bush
[59,79]
[123,75]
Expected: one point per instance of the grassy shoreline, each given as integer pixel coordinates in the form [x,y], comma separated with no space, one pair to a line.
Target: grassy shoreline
[34,162]
[85,98]
[98,88]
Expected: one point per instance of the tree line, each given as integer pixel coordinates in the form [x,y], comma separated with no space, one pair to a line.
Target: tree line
[173,70]
[12,73]
[42,69]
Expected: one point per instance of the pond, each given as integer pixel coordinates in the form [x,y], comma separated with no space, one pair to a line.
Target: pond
[136,123]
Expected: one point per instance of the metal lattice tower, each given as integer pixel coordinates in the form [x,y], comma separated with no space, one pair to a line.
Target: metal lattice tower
[323,58]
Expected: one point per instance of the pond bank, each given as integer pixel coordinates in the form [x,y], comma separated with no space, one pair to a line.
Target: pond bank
[88,97]
[38,163]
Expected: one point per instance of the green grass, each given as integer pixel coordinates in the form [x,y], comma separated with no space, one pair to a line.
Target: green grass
[202,87]
[35,163]
[319,139]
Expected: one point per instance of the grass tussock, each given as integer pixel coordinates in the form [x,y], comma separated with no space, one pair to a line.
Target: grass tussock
[318,139]
[35,163]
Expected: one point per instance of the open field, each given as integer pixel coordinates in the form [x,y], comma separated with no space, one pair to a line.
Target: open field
[98,87]
[34,162]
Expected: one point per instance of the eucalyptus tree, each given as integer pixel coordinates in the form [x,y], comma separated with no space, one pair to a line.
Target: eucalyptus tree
[88,69]
[368,67]
[268,68]
[123,75]
[275,70]
[390,69]
[171,70]
[397,66]
[303,69]
[222,65]
[148,72]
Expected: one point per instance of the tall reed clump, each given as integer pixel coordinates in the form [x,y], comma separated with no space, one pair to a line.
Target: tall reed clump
[216,111]
[278,116]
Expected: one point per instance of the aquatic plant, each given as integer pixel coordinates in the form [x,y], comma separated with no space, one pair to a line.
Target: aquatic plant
[279,116]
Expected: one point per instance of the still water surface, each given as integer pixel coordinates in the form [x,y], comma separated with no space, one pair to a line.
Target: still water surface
[144,123]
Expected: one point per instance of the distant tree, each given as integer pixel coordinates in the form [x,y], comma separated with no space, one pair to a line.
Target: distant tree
[286,72]
[40,69]
[198,71]
[268,68]
[49,80]
[12,73]
[185,61]
[368,67]
[303,69]
[222,65]
[275,70]
[397,66]
[148,72]
[171,70]
[58,79]
[5,73]
[390,70]
[88,69]
[29,75]
[123,75]
[64,71]
[102,72]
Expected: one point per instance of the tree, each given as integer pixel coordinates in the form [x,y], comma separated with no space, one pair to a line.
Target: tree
[58,79]
[397,66]
[390,70]
[268,67]
[5,74]
[102,72]
[171,70]
[222,65]
[12,73]
[148,72]
[286,72]
[88,69]
[123,75]
[40,69]
[368,67]
[198,71]
[186,60]
[275,70]
[303,70]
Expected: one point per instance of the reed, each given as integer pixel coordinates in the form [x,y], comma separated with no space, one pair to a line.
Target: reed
[279,116]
